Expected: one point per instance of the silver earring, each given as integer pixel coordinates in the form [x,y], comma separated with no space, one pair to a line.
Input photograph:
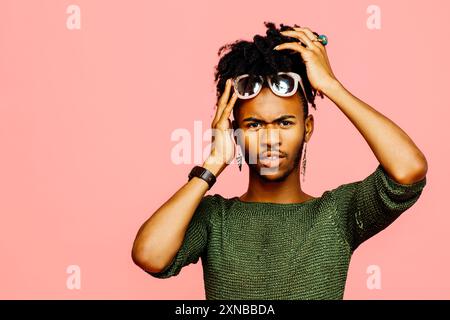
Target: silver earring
[239,157]
[304,163]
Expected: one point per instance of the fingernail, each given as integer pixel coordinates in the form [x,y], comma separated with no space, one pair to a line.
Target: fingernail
[276,47]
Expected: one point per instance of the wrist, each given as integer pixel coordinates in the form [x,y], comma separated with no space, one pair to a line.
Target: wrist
[214,165]
[331,86]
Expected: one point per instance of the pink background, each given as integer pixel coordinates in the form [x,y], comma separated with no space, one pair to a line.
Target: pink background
[86,117]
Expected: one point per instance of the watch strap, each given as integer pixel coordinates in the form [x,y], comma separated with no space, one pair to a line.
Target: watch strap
[204,174]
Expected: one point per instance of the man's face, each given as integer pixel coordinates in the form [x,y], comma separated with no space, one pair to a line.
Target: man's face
[269,123]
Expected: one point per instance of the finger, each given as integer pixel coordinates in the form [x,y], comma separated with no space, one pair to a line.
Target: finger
[226,93]
[224,98]
[222,123]
[296,46]
[314,35]
[300,35]
[227,111]
[222,102]
[307,31]
[311,35]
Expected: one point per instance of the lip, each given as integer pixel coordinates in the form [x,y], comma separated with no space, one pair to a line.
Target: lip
[271,163]
[269,154]
[266,161]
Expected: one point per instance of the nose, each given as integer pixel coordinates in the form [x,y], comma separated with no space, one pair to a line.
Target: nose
[270,138]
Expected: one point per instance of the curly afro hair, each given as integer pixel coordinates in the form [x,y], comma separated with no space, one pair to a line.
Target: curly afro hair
[257,57]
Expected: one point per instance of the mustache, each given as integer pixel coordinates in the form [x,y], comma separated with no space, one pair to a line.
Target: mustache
[281,153]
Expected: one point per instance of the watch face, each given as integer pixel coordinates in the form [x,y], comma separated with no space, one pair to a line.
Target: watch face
[198,170]
[202,173]
[195,172]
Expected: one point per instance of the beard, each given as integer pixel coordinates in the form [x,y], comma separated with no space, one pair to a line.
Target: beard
[278,174]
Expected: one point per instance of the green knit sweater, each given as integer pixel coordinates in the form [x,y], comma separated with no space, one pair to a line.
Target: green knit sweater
[261,250]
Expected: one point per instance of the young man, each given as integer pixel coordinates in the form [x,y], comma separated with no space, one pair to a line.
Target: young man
[275,241]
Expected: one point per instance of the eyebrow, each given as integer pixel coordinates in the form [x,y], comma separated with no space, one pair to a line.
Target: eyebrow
[283,117]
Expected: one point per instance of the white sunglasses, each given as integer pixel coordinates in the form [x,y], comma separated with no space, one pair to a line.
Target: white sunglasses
[283,84]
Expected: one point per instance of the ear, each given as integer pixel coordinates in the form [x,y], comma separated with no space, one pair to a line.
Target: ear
[309,127]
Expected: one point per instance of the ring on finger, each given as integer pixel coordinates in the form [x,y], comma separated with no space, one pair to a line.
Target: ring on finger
[322,39]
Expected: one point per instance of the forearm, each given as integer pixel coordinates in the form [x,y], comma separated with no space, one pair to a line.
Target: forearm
[393,148]
[161,236]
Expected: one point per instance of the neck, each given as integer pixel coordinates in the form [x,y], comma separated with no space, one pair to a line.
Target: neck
[287,191]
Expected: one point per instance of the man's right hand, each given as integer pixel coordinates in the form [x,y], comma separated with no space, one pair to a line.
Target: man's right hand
[223,145]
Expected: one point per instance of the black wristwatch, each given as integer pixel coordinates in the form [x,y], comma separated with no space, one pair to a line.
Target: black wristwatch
[204,174]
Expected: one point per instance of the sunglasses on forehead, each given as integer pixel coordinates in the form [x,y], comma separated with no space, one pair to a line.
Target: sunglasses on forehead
[283,84]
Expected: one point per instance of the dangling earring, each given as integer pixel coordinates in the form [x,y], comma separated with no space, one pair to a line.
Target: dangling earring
[304,162]
[239,157]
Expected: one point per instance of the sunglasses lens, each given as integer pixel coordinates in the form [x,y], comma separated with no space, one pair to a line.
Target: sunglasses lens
[248,86]
[283,83]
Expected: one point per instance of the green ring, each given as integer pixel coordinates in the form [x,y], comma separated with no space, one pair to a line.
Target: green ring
[323,38]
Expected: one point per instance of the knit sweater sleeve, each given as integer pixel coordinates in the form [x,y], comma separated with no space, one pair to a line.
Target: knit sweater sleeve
[195,240]
[368,206]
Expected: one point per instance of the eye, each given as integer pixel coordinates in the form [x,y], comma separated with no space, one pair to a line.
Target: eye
[286,123]
[250,125]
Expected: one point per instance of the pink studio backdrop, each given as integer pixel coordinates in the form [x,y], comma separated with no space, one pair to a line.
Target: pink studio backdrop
[86,117]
